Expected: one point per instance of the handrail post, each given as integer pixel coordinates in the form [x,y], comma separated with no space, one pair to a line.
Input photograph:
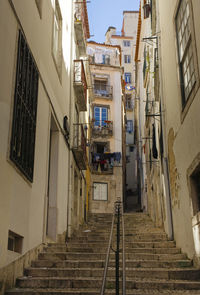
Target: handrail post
[123,256]
[117,248]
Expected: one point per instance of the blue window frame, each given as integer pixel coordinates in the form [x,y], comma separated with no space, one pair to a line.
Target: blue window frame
[106,59]
[127,77]
[129,126]
[100,116]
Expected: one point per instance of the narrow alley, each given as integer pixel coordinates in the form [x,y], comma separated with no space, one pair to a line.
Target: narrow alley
[100,147]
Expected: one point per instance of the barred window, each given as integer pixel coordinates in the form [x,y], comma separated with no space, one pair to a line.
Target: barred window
[22,145]
[185,50]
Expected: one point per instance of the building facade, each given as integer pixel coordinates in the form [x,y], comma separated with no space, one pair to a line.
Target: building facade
[170,117]
[43,109]
[126,39]
[106,127]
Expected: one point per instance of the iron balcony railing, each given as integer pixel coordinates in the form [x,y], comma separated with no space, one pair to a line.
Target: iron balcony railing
[101,163]
[79,145]
[101,128]
[103,90]
[80,84]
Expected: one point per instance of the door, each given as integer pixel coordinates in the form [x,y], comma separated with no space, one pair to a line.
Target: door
[51,229]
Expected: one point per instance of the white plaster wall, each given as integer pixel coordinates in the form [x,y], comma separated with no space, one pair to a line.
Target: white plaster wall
[130,23]
[22,205]
[187,133]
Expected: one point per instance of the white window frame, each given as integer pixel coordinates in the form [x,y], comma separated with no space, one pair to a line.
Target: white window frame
[100,186]
[188,75]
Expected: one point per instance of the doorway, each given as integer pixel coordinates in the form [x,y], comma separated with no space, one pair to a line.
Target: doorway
[51,228]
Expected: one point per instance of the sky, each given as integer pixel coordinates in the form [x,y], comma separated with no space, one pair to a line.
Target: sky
[105,13]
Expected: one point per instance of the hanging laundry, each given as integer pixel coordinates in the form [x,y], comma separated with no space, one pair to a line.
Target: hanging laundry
[154,148]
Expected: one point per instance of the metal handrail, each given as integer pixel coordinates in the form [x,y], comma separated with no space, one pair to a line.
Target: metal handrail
[123,256]
[107,257]
[117,259]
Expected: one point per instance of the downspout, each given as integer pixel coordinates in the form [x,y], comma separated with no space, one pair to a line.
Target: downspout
[165,158]
[70,124]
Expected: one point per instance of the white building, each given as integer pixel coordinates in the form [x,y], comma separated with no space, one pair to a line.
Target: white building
[106,122]
[167,55]
[43,98]
[127,41]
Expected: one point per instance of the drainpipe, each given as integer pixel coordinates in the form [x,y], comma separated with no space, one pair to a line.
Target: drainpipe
[69,195]
[164,135]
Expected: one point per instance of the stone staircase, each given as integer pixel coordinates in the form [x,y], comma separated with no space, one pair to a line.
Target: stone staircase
[154,265]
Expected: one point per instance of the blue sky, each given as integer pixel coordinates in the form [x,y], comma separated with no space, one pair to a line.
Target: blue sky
[105,13]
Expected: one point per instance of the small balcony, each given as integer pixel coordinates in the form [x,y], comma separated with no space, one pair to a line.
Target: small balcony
[103,91]
[101,128]
[79,146]
[80,85]
[100,164]
[81,25]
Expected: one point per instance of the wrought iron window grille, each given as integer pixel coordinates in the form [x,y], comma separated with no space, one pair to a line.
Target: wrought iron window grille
[22,145]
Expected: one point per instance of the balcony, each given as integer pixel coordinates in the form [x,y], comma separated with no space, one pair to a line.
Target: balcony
[100,164]
[81,25]
[104,91]
[80,85]
[101,128]
[79,146]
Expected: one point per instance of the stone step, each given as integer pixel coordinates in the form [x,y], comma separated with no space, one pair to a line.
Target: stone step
[154,273]
[100,263]
[91,256]
[128,235]
[128,250]
[70,255]
[69,282]
[71,263]
[140,244]
[96,292]
[127,239]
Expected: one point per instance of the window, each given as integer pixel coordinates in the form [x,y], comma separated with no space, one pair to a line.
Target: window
[129,126]
[57,35]
[131,149]
[129,102]
[186,58]
[102,88]
[127,59]
[101,147]
[14,242]
[100,192]
[106,59]
[100,116]
[127,43]
[128,77]
[22,145]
